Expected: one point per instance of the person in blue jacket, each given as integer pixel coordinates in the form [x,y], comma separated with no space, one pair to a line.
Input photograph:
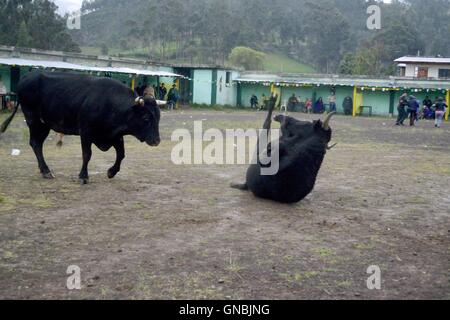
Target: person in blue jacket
[413,109]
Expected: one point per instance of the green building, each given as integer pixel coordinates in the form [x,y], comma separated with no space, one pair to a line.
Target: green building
[378,96]
[216,85]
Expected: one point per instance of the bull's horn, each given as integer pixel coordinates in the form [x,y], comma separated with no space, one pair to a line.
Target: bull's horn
[139,101]
[326,122]
[161,102]
[331,147]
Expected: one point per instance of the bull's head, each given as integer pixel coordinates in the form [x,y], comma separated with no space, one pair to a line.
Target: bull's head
[299,130]
[144,121]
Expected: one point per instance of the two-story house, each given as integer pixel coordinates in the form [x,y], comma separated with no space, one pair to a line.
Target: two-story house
[423,67]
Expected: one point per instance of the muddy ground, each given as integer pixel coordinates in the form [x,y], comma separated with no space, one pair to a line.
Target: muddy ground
[160,231]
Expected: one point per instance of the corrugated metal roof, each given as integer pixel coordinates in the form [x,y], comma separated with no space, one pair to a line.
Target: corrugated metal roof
[77,67]
[432,60]
[334,80]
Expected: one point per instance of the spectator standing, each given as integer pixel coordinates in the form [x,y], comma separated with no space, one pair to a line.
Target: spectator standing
[402,114]
[332,101]
[172,97]
[162,92]
[347,105]
[2,86]
[2,93]
[413,109]
[292,103]
[427,102]
[309,105]
[254,102]
[318,106]
[263,102]
[440,112]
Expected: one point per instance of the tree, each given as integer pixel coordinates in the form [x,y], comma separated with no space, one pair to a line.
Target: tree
[34,23]
[23,37]
[327,31]
[247,58]
[347,65]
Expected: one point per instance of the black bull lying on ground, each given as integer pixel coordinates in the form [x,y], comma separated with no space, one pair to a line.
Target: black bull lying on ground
[302,148]
[99,110]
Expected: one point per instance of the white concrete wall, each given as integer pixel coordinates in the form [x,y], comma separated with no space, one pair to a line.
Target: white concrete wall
[433,69]
[226,93]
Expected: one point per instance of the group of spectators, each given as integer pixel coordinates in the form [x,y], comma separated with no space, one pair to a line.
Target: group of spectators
[296,104]
[308,106]
[5,97]
[410,107]
[160,93]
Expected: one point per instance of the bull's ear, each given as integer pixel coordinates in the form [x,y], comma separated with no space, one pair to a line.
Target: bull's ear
[318,125]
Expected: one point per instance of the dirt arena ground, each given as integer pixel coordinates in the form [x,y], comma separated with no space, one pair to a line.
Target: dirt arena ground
[160,231]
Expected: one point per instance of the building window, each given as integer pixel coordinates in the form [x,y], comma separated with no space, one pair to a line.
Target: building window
[444,73]
[402,71]
[228,80]
[422,72]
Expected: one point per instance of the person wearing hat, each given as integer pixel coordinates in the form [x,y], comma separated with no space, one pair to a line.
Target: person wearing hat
[440,107]
[162,92]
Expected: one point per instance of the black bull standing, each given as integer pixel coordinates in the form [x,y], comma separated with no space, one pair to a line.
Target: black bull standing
[99,110]
[302,148]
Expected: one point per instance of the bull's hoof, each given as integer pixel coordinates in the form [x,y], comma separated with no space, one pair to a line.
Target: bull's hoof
[48,176]
[112,173]
[84,181]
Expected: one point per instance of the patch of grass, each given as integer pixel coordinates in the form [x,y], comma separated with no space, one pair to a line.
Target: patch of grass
[443,170]
[104,291]
[344,284]
[7,203]
[299,277]
[416,200]
[8,255]
[139,206]
[233,265]
[280,63]
[42,202]
[364,246]
[322,252]
[193,285]
[288,259]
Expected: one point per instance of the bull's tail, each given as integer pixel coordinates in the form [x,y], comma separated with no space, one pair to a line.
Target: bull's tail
[5,124]
[242,187]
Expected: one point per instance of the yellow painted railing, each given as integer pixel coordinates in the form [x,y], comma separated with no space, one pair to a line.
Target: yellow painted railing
[133,82]
[358,100]
[448,105]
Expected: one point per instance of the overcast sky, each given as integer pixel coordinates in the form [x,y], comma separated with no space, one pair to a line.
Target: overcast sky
[68,5]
